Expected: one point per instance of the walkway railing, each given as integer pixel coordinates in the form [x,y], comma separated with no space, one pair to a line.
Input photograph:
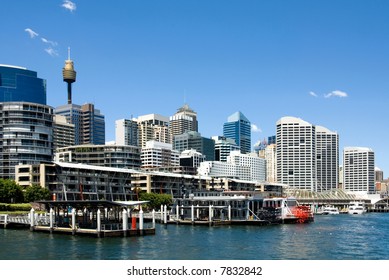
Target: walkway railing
[40,219]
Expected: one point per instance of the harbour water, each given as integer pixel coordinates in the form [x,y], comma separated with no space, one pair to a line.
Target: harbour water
[333,237]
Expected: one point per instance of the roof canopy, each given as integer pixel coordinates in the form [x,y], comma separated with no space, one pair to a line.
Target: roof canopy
[92,203]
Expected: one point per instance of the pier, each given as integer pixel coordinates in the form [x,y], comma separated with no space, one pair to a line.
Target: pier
[90,218]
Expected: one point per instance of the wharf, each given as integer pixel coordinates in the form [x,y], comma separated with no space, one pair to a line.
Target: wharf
[88,218]
[217,222]
[249,222]
[378,210]
[95,233]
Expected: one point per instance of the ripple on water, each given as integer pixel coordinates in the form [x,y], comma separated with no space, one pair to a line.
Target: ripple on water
[340,237]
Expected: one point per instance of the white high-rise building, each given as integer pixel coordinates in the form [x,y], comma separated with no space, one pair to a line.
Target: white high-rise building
[257,165]
[157,154]
[138,131]
[327,159]
[296,153]
[63,133]
[153,127]
[271,163]
[183,121]
[358,170]
[248,167]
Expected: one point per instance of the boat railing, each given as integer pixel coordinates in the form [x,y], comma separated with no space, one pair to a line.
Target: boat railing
[112,227]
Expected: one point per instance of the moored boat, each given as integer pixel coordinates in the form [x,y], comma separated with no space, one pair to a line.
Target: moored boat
[356,208]
[330,210]
[287,210]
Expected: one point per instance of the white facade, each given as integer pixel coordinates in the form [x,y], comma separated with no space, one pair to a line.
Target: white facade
[184,120]
[296,153]
[358,170]
[271,163]
[139,131]
[63,132]
[153,127]
[239,166]
[224,170]
[257,165]
[192,155]
[158,154]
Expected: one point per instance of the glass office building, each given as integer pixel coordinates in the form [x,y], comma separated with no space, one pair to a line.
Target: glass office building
[20,84]
[238,127]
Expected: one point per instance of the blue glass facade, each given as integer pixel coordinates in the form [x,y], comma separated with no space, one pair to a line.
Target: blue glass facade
[238,128]
[21,85]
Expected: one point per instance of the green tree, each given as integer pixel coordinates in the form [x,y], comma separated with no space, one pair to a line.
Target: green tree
[35,193]
[10,192]
[155,200]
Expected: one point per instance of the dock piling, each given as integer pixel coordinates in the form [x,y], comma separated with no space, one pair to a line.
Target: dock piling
[74,221]
[153,215]
[51,217]
[32,218]
[141,221]
[125,222]
[165,214]
[98,222]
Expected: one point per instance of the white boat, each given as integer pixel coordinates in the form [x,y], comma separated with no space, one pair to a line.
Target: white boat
[356,208]
[330,210]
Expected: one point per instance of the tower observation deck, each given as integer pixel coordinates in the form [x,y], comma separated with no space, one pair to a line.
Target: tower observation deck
[69,75]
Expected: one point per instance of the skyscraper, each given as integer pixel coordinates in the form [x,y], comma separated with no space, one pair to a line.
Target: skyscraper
[194,140]
[296,153]
[127,132]
[271,163]
[19,84]
[26,122]
[238,127]
[183,121]
[63,133]
[327,159]
[89,123]
[358,170]
[153,127]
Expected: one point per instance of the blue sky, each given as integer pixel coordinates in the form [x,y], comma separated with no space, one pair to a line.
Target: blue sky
[325,61]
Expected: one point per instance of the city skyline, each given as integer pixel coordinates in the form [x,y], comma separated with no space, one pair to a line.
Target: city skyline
[324,62]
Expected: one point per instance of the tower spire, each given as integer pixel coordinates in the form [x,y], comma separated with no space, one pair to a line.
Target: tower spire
[69,75]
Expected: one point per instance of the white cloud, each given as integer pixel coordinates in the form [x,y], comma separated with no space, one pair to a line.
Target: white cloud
[44,40]
[31,32]
[255,128]
[336,93]
[69,5]
[311,93]
[51,51]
